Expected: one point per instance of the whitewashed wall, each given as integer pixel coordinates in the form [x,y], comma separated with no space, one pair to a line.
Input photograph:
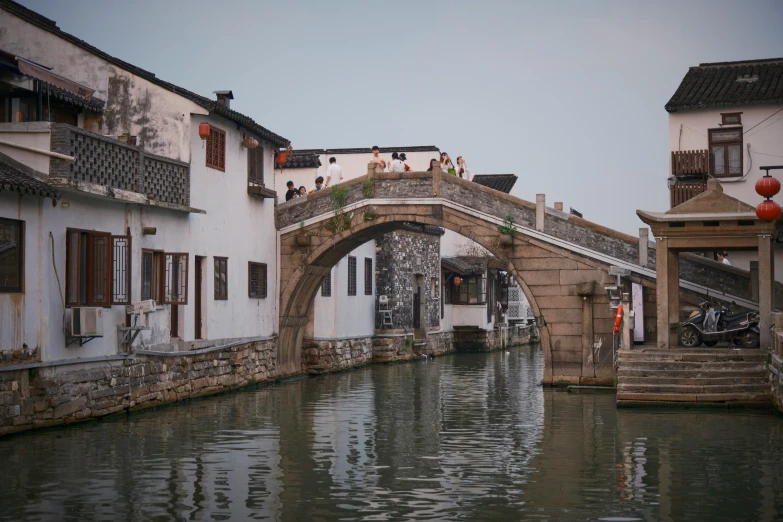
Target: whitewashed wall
[688,130]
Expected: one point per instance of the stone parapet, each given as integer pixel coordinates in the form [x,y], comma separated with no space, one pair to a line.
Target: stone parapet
[49,396]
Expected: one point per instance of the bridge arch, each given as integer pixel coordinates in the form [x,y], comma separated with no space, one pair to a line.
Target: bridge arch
[546,273]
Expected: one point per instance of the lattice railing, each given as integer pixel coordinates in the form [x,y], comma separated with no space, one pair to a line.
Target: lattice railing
[105,161]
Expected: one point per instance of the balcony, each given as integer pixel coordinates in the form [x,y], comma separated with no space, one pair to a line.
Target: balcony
[687,163]
[102,163]
[255,187]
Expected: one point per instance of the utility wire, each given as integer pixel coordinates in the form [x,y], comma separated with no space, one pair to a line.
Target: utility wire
[762,121]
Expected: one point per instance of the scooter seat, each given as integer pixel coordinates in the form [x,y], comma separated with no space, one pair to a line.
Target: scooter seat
[733,317]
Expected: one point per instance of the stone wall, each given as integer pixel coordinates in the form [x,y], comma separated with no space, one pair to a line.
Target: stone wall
[479,340]
[323,356]
[47,396]
[400,256]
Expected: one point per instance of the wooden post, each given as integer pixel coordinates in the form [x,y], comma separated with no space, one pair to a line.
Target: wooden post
[766,288]
[662,291]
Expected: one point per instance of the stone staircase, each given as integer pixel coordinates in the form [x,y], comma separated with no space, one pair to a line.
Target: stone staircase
[709,376]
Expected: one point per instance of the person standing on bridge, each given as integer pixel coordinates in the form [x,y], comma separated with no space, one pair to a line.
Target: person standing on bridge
[446,165]
[291,192]
[334,173]
[403,159]
[319,185]
[396,164]
[462,168]
[376,158]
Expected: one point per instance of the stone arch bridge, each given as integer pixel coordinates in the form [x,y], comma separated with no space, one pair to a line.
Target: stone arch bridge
[551,253]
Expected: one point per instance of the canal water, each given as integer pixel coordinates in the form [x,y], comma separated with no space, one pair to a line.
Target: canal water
[461,437]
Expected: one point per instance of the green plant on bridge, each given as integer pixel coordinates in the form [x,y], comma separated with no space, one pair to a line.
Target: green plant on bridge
[370,214]
[368,187]
[340,221]
[508,227]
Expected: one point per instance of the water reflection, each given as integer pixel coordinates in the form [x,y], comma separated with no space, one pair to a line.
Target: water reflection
[462,437]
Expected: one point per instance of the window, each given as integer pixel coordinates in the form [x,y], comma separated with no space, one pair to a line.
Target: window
[351,275]
[221,278]
[216,149]
[726,152]
[326,285]
[11,256]
[433,288]
[472,290]
[256,280]
[164,277]
[255,165]
[97,268]
[368,276]
[731,118]
[447,290]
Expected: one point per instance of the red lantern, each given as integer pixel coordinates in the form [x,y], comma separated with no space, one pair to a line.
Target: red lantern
[768,210]
[457,281]
[282,156]
[203,130]
[767,186]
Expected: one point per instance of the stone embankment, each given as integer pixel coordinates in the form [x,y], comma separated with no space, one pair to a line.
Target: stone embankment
[36,395]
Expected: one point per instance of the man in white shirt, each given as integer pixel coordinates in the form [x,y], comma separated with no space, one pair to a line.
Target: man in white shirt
[397,165]
[723,257]
[334,173]
[376,158]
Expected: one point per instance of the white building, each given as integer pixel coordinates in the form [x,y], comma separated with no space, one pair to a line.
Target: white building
[726,121]
[145,208]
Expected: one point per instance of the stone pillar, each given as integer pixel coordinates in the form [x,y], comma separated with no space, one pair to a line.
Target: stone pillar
[559,206]
[436,172]
[754,281]
[673,281]
[766,288]
[776,345]
[540,211]
[662,291]
[588,363]
[627,322]
[643,243]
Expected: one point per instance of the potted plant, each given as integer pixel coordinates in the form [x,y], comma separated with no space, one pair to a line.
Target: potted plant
[303,238]
[507,231]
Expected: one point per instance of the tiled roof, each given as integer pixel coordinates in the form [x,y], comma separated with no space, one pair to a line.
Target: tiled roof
[14,180]
[368,150]
[212,106]
[94,104]
[501,182]
[463,265]
[729,84]
[302,160]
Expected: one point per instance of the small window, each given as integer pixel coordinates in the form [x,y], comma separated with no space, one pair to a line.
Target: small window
[221,278]
[216,149]
[326,285]
[151,264]
[731,118]
[255,165]
[351,275]
[256,280]
[472,290]
[175,288]
[433,288]
[11,256]
[726,152]
[97,268]
[447,288]
[368,276]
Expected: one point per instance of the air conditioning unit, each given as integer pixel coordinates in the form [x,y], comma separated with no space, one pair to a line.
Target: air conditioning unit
[87,322]
[142,307]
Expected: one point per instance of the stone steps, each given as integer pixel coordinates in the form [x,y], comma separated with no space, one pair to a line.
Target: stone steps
[693,376]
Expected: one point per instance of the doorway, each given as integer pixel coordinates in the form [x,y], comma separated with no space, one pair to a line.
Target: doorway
[198,302]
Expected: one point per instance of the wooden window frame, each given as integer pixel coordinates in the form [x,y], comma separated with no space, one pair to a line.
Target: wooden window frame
[216,149]
[175,263]
[120,273]
[262,282]
[368,276]
[20,231]
[255,165]
[326,285]
[351,280]
[723,116]
[220,296]
[725,145]
[478,281]
[156,281]
[87,266]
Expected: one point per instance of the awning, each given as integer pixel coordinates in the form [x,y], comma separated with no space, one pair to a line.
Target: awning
[33,70]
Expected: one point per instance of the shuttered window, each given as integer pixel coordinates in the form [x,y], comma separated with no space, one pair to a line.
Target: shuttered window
[351,275]
[256,280]
[11,256]
[216,149]
[326,285]
[221,278]
[97,268]
[175,273]
[368,276]
[255,165]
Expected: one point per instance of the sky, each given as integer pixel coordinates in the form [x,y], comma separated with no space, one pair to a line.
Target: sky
[567,95]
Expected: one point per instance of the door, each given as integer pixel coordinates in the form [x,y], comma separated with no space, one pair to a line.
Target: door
[417,308]
[174,320]
[197,307]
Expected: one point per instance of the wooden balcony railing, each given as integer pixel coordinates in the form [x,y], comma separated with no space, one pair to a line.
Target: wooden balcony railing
[690,162]
[683,192]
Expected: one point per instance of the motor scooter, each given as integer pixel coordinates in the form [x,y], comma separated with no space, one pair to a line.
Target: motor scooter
[710,326]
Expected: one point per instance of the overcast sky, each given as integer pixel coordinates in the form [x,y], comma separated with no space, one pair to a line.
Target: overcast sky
[569,96]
